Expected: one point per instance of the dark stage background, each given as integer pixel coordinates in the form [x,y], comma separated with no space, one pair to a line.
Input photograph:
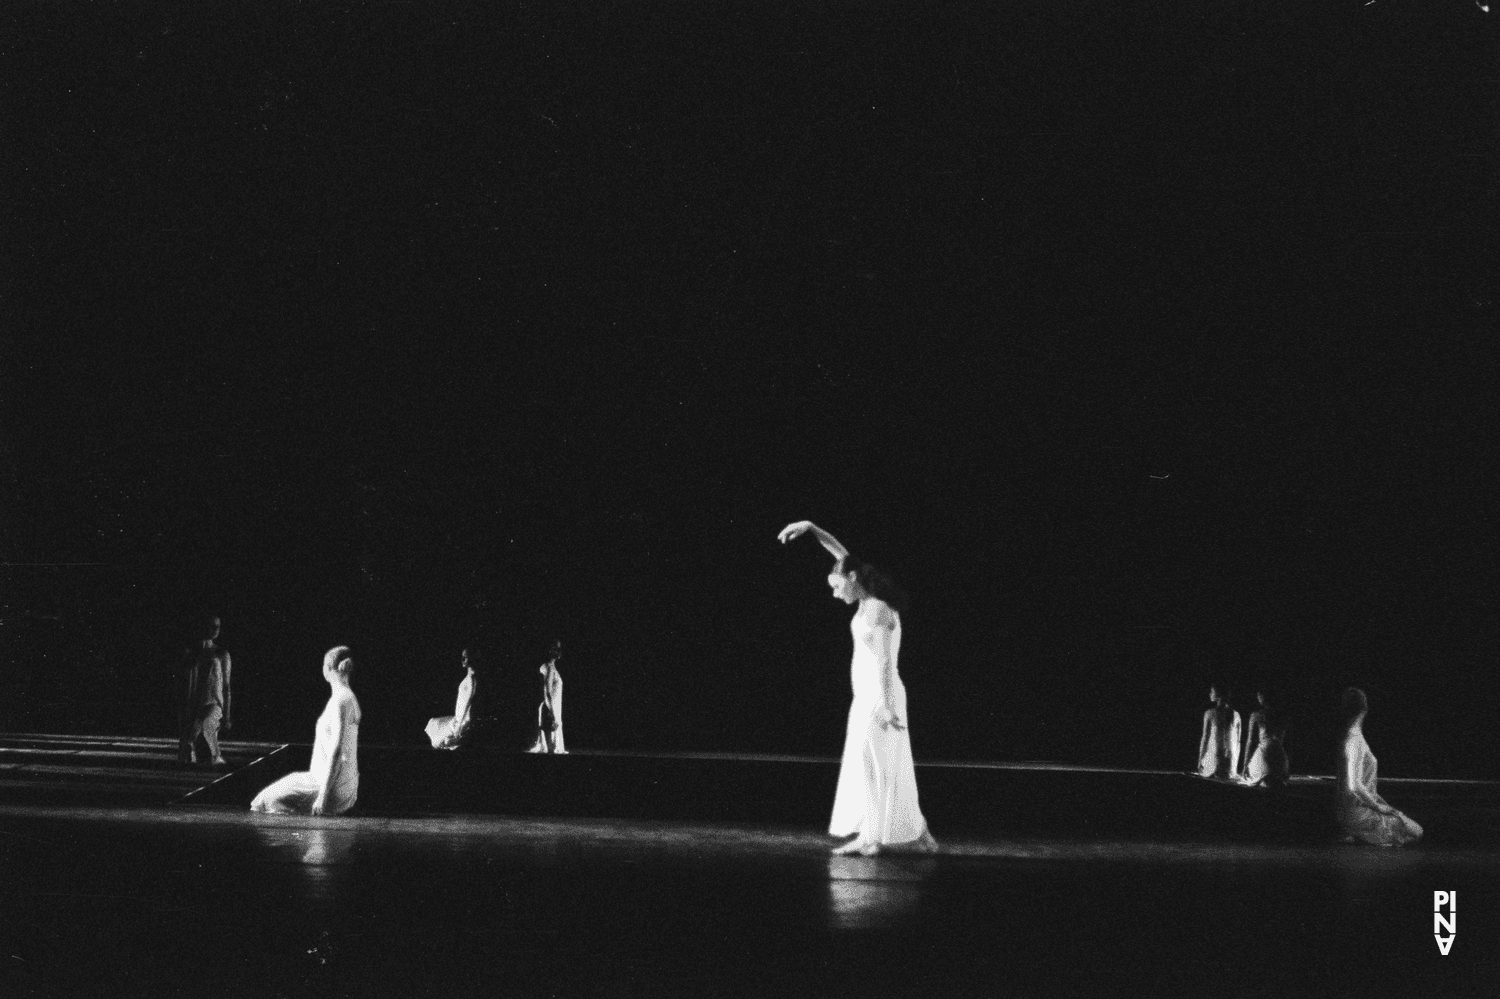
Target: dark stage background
[1147,345]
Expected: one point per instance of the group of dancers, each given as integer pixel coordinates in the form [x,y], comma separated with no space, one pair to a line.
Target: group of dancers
[450,731]
[1261,761]
[875,804]
[875,807]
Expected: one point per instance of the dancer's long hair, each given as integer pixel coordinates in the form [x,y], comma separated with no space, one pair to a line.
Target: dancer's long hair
[876,583]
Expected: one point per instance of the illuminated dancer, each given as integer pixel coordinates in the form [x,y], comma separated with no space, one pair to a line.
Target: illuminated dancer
[205,704]
[1263,759]
[876,801]
[1219,743]
[1362,813]
[332,784]
[549,730]
[448,731]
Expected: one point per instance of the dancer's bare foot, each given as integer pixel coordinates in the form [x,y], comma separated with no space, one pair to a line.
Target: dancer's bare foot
[856,845]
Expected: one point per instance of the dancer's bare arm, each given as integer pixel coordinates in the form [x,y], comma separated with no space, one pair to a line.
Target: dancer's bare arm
[801,527]
[228,716]
[884,639]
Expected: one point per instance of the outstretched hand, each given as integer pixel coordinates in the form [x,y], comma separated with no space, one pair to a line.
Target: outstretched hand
[792,531]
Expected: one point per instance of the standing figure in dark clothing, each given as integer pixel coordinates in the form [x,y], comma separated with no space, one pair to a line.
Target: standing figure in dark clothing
[205,696]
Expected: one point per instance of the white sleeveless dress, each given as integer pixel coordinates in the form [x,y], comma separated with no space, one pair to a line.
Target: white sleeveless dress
[448,731]
[1221,751]
[338,726]
[877,789]
[1357,817]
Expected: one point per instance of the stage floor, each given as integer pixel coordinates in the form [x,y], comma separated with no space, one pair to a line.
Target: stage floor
[115,898]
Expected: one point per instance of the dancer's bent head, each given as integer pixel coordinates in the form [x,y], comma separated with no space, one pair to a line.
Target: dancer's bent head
[853,579]
[1353,706]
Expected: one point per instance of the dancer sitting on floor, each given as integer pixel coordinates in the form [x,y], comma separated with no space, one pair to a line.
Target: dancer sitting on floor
[332,784]
[1362,813]
[448,731]
[549,730]
[1263,759]
[876,800]
[1219,743]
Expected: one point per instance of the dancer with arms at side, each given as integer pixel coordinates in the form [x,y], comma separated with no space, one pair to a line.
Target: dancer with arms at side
[1362,814]
[448,731]
[206,702]
[876,800]
[332,784]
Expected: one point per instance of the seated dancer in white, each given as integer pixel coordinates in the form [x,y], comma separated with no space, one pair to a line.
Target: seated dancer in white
[1362,813]
[549,730]
[876,800]
[1219,743]
[1263,760]
[332,784]
[448,731]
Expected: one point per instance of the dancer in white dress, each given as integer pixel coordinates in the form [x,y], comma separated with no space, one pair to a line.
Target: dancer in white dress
[1362,813]
[448,731]
[876,801]
[549,730]
[1263,759]
[1219,743]
[332,784]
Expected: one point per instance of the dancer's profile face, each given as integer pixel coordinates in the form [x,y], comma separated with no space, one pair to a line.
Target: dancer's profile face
[843,587]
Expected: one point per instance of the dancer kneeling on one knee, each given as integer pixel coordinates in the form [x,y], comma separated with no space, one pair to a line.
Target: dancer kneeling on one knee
[332,784]
[876,800]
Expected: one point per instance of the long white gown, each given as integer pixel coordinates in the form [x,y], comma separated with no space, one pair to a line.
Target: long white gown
[1357,804]
[448,731]
[335,765]
[1208,744]
[877,789]
[1266,760]
[1221,750]
[551,697]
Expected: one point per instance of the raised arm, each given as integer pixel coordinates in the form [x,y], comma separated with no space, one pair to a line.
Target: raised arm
[825,539]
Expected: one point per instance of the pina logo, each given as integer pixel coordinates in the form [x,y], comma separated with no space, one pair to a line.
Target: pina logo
[1442,923]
